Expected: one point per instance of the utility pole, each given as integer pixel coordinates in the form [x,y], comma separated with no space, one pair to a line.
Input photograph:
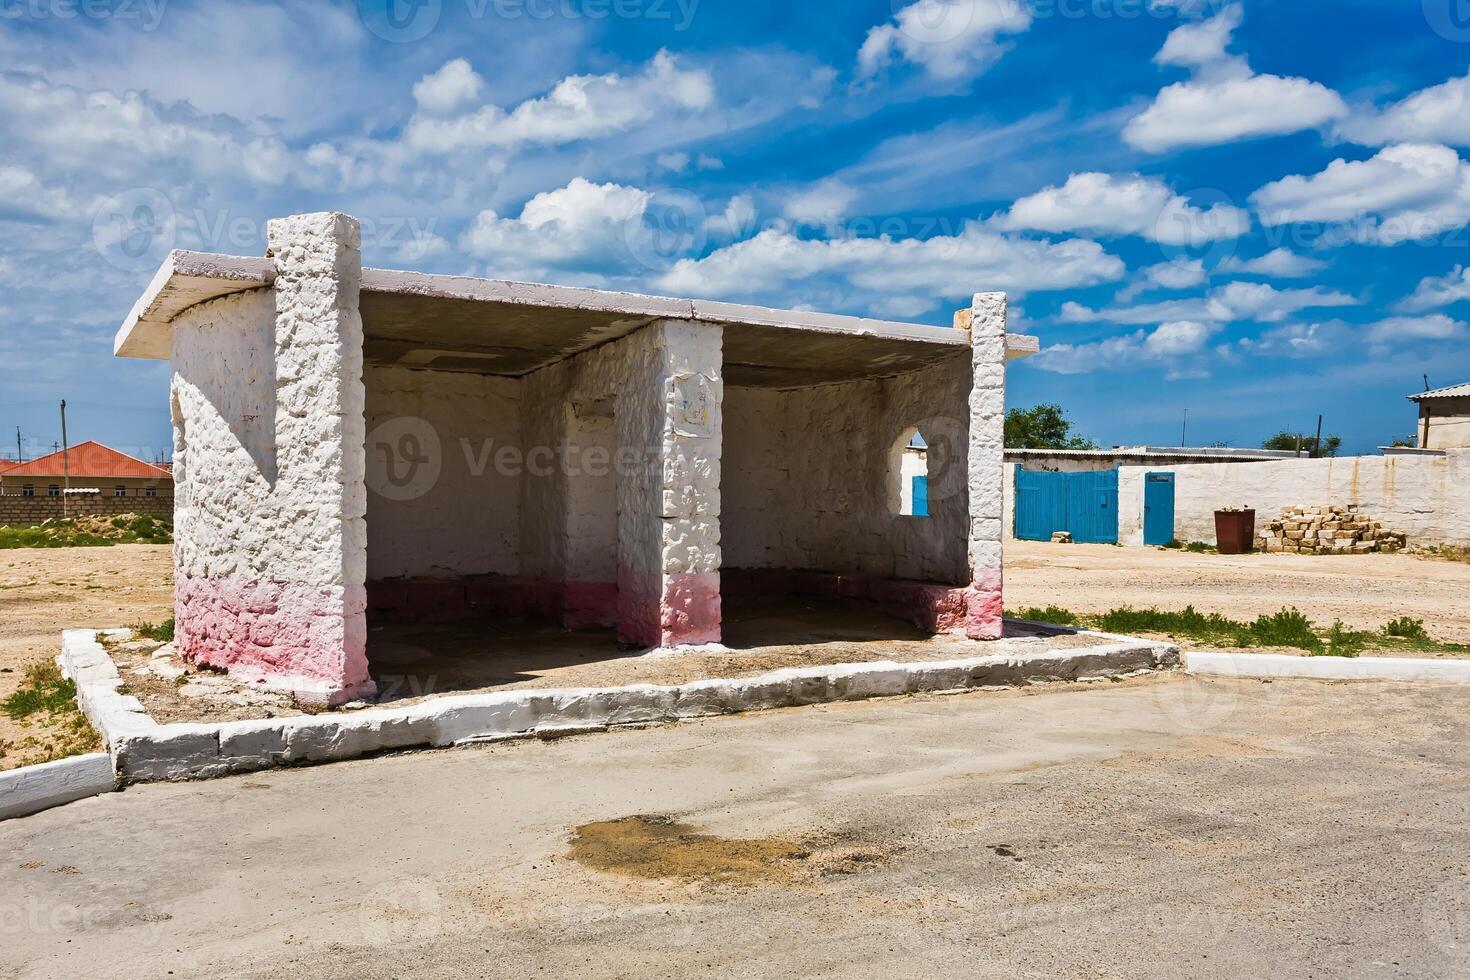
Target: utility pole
[65,461]
[19,456]
[1317,450]
[1184,429]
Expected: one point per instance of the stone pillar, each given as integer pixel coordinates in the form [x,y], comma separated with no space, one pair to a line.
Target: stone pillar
[986,464]
[669,508]
[320,493]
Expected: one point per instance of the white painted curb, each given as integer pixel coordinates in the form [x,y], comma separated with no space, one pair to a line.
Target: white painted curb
[144,750]
[1272,665]
[34,788]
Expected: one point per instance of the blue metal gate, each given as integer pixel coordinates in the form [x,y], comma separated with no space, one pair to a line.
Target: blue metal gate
[920,489]
[1158,508]
[1086,504]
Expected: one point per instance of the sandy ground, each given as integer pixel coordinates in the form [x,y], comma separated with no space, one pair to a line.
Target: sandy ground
[1171,827]
[1364,591]
[46,590]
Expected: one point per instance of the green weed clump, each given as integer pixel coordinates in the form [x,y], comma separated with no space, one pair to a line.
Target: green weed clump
[1048,614]
[1406,628]
[42,690]
[162,632]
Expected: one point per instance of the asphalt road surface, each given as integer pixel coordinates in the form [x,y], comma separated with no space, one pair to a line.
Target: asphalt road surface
[1167,827]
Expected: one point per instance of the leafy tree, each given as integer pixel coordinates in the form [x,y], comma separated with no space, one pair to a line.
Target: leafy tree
[1042,427]
[1292,441]
[1405,442]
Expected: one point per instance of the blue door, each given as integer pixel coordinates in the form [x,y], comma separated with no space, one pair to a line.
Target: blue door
[921,496]
[1092,506]
[1041,504]
[1086,504]
[1158,508]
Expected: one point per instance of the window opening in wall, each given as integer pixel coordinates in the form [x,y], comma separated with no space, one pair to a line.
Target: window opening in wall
[54,490]
[150,492]
[911,470]
[29,490]
[119,491]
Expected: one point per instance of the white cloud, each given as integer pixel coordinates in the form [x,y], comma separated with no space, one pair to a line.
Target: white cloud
[1301,339]
[452,87]
[779,267]
[1439,114]
[1171,342]
[1225,101]
[824,202]
[1175,275]
[950,39]
[23,196]
[677,162]
[579,107]
[1409,191]
[1231,302]
[1438,291]
[583,226]
[1280,263]
[1125,205]
[1435,326]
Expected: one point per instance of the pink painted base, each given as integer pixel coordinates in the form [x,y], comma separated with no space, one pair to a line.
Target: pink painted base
[668,610]
[304,638]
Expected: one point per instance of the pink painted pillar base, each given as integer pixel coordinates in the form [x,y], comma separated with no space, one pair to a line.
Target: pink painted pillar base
[308,640]
[668,610]
[984,618]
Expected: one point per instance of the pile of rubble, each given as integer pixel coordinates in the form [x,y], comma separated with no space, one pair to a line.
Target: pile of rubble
[1327,531]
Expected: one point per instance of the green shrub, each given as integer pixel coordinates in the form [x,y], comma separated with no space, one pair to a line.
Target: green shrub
[1406,628]
[43,689]
[162,632]
[1048,614]
[1343,642]
[1287,628]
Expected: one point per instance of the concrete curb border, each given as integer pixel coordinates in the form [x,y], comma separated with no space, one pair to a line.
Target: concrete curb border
[31,789]
[1278,665]
[143,750]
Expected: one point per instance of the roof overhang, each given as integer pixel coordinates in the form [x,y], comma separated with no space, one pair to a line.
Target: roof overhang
[492,326]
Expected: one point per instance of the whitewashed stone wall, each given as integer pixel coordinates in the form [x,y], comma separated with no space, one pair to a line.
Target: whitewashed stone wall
[1427,497]
[663,387]
[813,476]
[268,411]
[455,510]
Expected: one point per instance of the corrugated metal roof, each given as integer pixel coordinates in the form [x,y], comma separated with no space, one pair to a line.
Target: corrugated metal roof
[1204,453]
[89,460]
[1453,391]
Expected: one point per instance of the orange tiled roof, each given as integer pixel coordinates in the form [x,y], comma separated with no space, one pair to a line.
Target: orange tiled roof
[89,460]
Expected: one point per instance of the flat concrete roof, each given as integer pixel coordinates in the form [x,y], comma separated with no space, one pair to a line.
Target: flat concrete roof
[494,326]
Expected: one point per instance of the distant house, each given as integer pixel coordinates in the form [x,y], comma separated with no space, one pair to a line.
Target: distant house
[89,468]
[1444,417]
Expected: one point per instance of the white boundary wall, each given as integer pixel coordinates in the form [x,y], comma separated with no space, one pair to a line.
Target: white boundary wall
[1427,497]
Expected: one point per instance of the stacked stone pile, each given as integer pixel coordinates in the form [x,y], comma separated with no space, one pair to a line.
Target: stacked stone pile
[1327,531]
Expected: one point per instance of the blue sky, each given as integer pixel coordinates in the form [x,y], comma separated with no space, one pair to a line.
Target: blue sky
[1256,211]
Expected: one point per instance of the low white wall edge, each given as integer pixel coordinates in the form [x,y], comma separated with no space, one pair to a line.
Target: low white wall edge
[1273,665]
[31,789]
